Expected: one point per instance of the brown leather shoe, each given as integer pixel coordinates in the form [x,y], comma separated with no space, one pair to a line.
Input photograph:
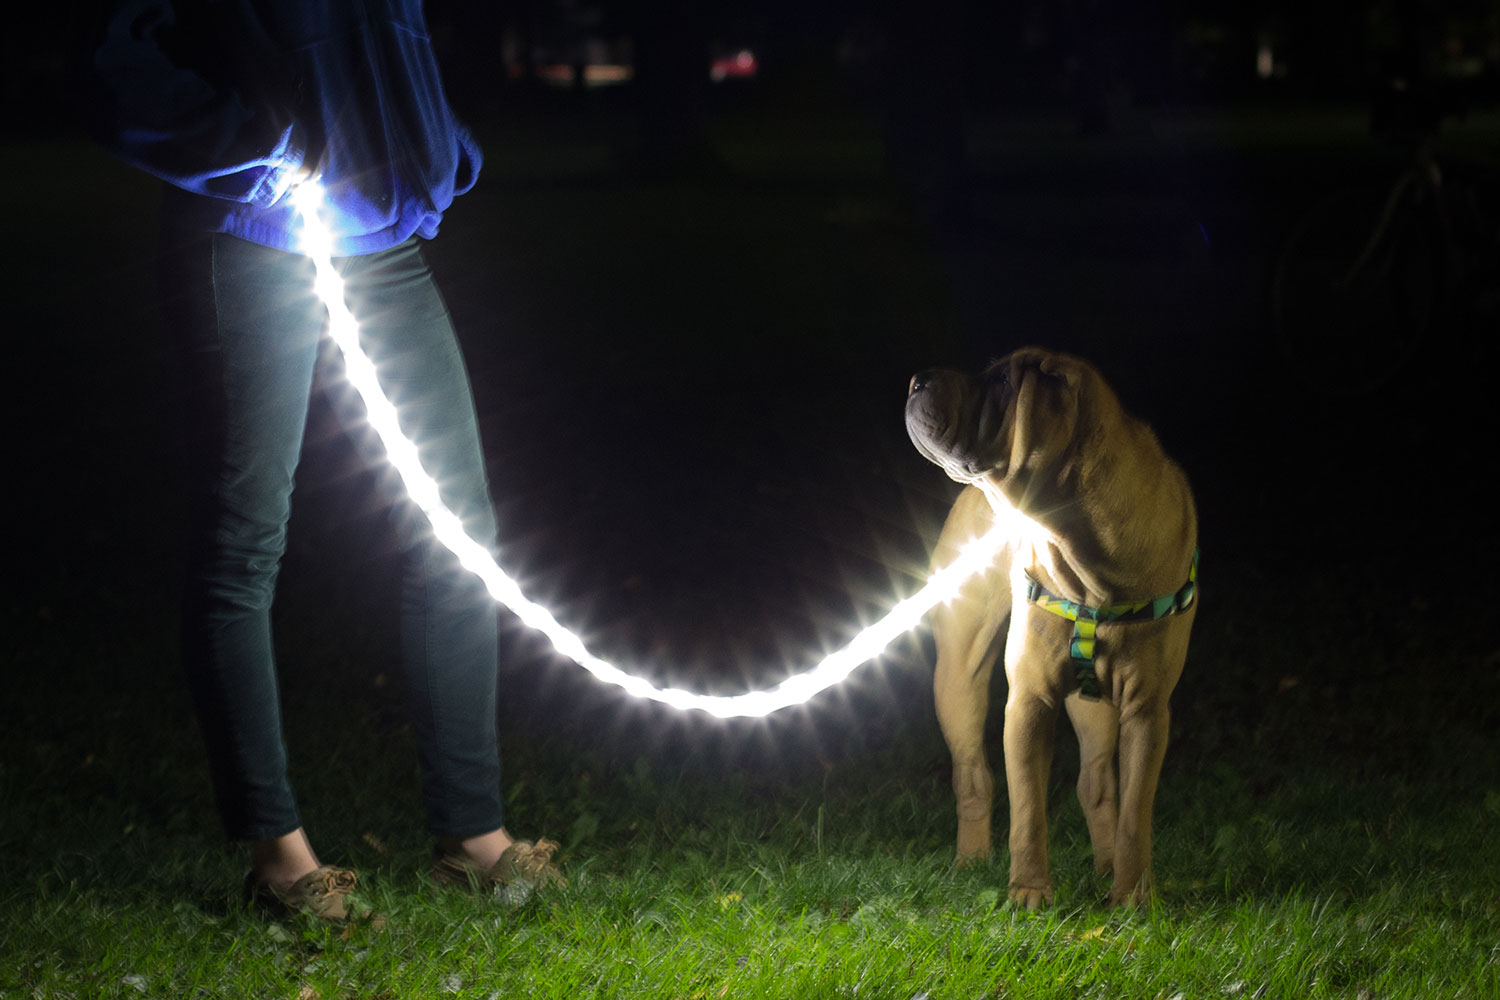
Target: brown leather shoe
[323,892]
[521,864]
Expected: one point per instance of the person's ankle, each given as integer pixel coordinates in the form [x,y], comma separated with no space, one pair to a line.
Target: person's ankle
[482,851]
[282,876]
[281,861]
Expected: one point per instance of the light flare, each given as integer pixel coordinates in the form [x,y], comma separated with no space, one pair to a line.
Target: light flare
[343,329]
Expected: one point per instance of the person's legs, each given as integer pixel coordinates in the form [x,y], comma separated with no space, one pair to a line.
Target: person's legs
[249,327]
[449,627]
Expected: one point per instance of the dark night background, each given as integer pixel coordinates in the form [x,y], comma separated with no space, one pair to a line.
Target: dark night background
[691,307]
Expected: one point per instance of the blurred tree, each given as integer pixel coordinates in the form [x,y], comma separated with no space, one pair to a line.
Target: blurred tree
[670,88]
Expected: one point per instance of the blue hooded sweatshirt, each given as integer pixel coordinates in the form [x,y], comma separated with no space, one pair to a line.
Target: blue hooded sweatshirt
[231,101]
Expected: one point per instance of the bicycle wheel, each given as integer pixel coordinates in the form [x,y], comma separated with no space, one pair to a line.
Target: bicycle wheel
[1359,285]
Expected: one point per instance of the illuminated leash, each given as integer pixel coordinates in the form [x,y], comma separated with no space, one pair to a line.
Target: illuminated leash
[343,328]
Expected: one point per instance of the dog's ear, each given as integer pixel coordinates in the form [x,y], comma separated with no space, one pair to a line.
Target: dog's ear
[1046,410]
[1069,370]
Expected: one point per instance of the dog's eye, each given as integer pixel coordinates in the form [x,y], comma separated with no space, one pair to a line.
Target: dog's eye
[995,379]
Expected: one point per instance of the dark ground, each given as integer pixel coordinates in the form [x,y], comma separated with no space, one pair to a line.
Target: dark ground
[691,396]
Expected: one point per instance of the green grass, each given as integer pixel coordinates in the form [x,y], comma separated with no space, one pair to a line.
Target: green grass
[1326,822]
[1291,862]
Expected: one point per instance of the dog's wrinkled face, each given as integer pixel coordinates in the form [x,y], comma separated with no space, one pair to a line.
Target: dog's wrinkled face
[1014,417]
[955,420]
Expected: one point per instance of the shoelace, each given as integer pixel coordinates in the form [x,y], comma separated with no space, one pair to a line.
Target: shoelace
[332,882]
[532,862]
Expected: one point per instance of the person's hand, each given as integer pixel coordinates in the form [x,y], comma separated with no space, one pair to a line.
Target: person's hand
[293,166]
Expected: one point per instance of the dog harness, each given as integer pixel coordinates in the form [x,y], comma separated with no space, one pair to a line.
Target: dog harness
[1086,618]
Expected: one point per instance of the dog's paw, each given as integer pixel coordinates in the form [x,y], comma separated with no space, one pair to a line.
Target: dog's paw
[1131,896]
[1031,897]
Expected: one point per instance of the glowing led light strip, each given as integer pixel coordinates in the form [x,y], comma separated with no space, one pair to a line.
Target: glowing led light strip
[317,243]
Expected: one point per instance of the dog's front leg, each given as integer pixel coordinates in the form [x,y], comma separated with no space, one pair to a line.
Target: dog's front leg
[1097,724]
[1030,728]
[1143,746]
[966,633]
[1148,674]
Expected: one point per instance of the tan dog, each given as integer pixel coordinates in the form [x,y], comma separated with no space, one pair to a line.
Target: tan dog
[1109,523]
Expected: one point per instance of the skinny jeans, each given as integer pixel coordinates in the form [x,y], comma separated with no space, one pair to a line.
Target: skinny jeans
[248,327]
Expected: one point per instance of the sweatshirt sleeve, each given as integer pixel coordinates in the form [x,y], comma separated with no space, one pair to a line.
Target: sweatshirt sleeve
[147,101]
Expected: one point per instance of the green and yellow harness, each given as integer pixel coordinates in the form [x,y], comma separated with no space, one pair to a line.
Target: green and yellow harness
[1086,618]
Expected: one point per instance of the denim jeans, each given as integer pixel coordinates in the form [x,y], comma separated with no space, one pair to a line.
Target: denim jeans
[250,329]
